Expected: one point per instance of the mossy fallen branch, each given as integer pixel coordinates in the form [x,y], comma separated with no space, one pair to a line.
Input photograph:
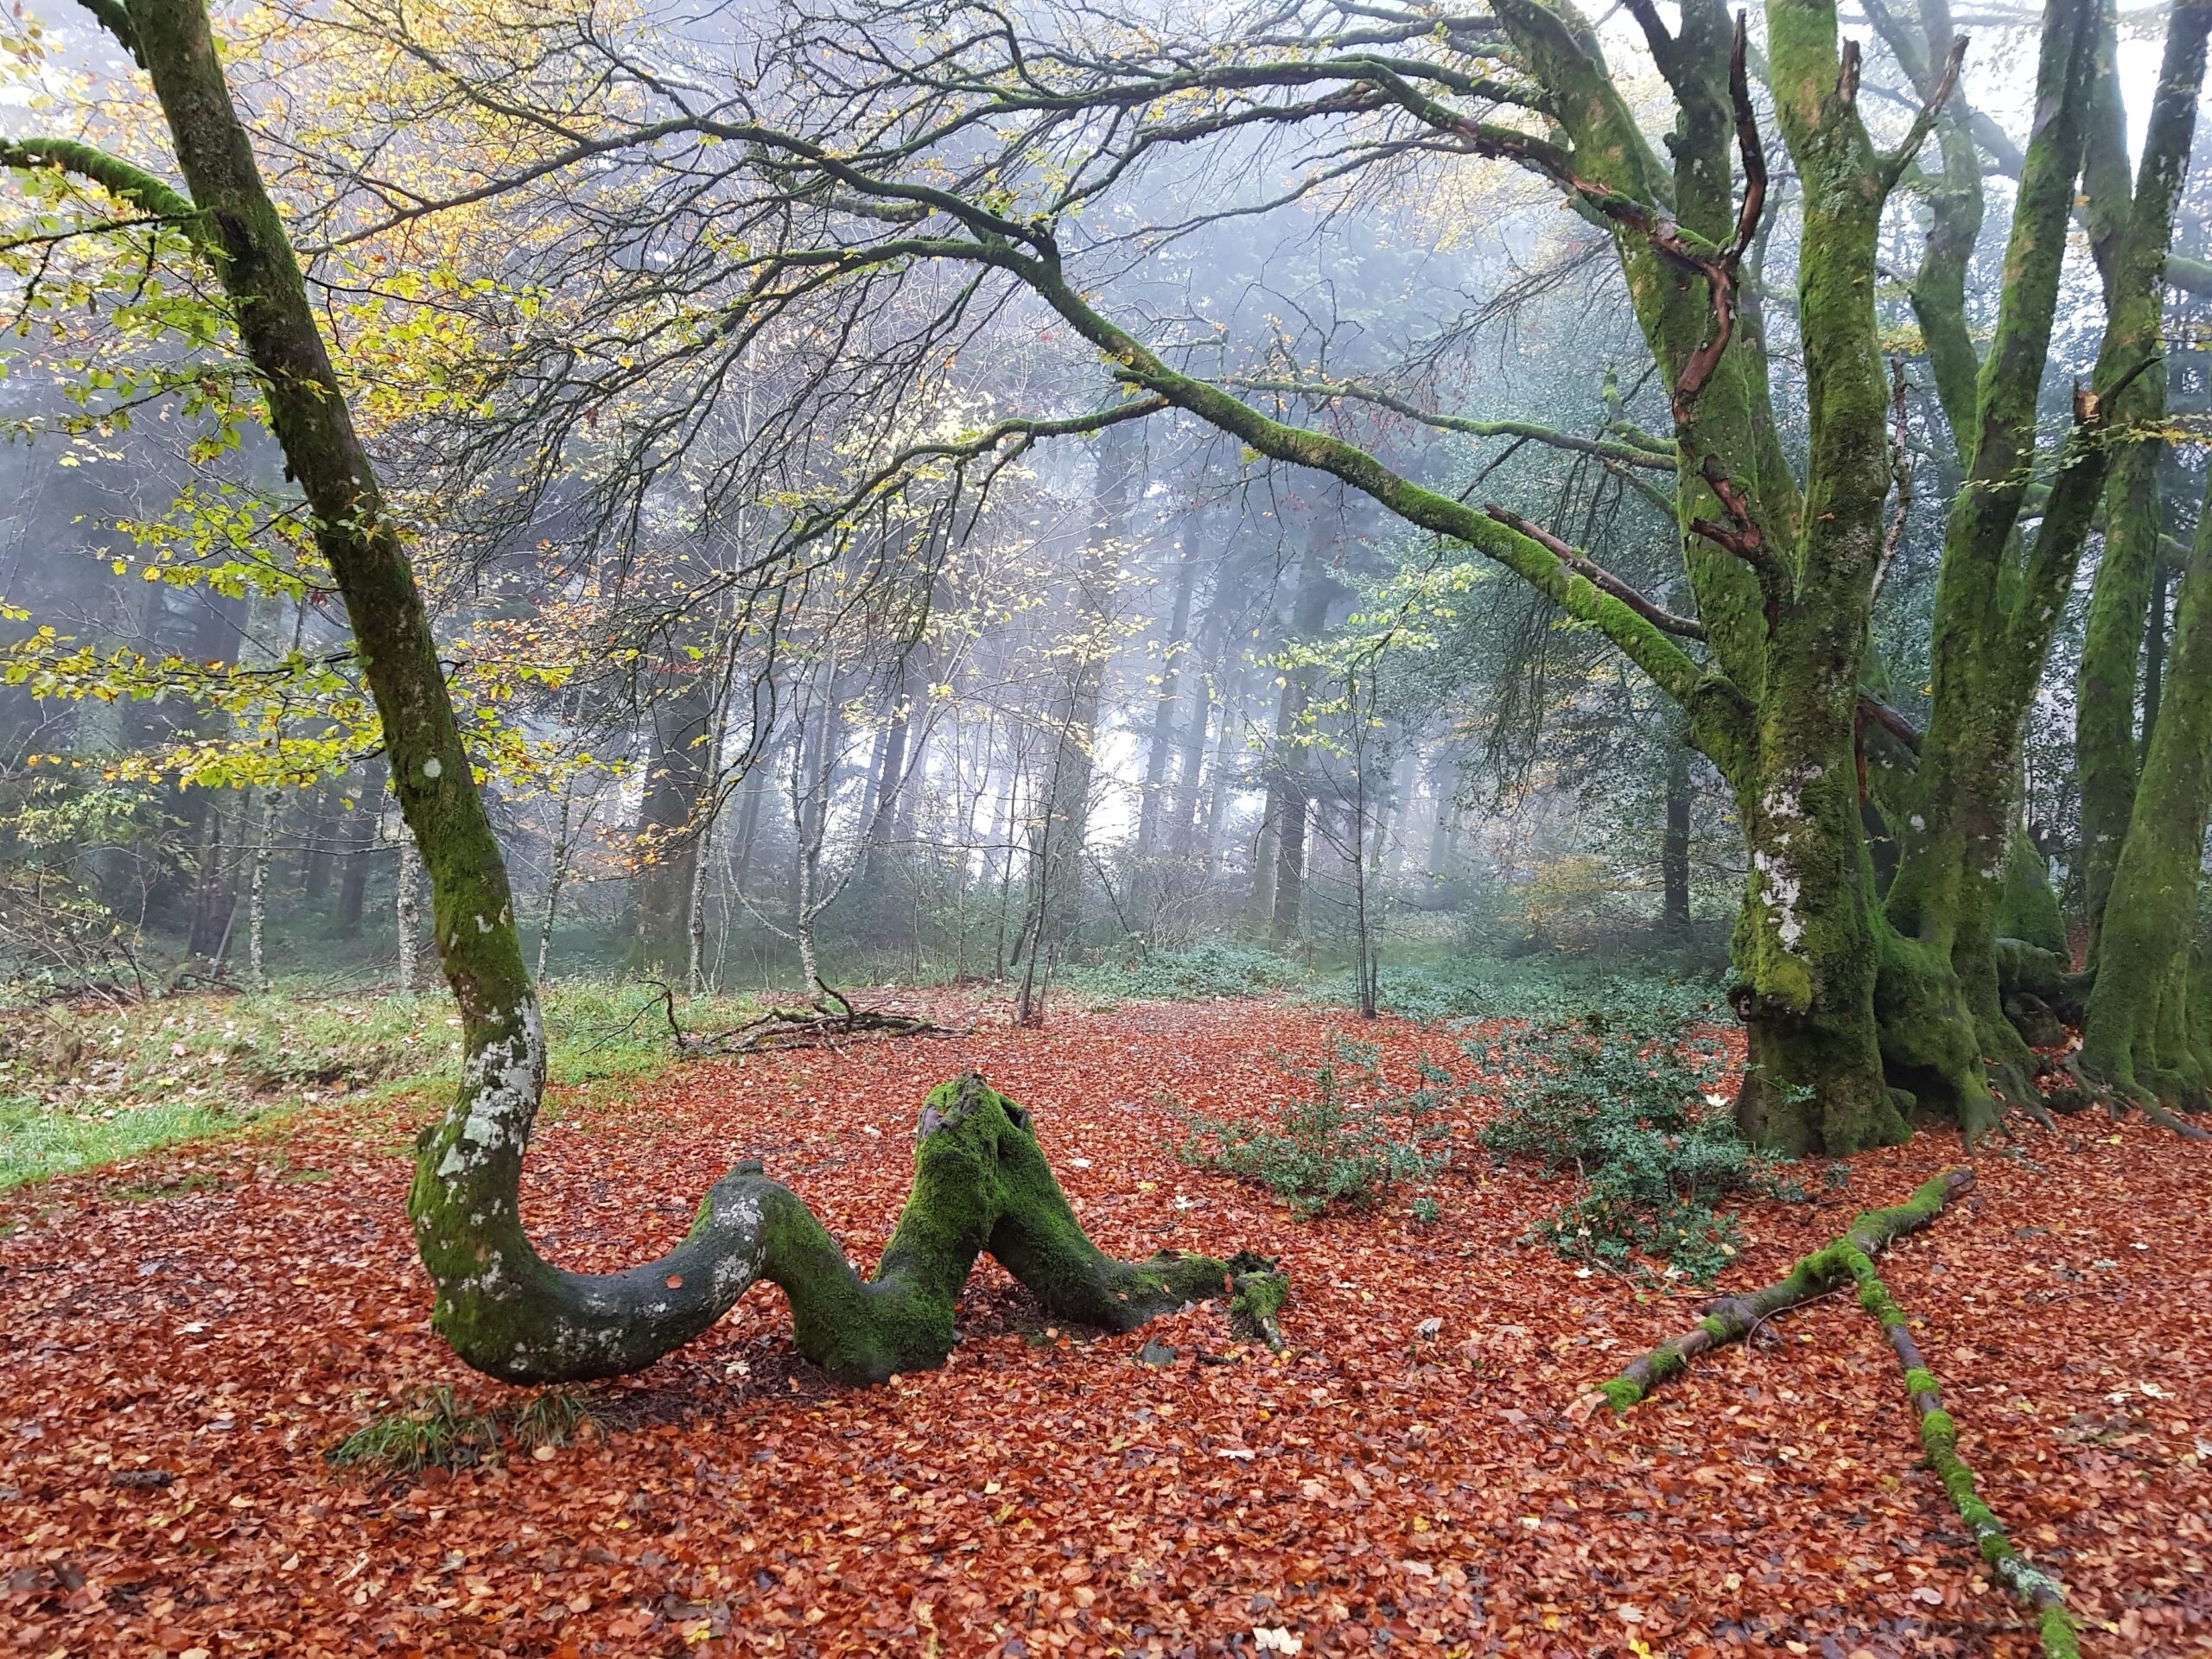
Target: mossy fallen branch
[1938,1442]
[981,1183]
[1731,1319]
[1849,1259]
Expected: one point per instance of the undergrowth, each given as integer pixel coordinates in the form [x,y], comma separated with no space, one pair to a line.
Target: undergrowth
[1346,1143]
[1631,1105]
[436,1429]
[1210,968]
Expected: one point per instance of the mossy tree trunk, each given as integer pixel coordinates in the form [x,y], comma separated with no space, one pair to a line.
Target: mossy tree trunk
[981,1181]
[2135,241]
[2143,1037]
[1997,604]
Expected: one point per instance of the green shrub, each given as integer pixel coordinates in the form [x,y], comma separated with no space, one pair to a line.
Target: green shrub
[1636,1114]
[1331,1148]
[1533,991]
[436,1431]
[1210,968]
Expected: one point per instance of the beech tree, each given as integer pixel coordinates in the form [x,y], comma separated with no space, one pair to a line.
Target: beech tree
[900,140]
[981,1181]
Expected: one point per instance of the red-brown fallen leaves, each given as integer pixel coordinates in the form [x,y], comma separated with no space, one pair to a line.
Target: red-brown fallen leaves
[1372,1489]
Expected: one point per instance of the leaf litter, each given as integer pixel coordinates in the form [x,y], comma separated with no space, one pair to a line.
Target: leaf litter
[1404,1478]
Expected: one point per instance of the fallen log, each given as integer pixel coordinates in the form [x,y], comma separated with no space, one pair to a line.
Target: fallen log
[1731,1319]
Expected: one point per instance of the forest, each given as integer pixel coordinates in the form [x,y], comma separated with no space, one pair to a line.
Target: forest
[1407,801]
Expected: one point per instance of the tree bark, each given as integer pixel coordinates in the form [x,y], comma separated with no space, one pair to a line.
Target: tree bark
[1674,847]
[666,849]
[1160,740]
[2105,744]
[1059,870]
[981,1181]
[2142,1037]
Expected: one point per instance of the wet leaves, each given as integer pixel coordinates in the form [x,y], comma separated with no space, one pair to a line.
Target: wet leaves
[1384,1485]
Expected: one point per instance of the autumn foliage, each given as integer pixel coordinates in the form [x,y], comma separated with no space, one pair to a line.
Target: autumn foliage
[192,1333]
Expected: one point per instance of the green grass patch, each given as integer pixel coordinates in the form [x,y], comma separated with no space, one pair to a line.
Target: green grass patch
[86,1084]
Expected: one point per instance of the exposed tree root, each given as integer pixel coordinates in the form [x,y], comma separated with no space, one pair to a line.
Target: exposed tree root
[2119,1093]
[816,1026]
[1850,1259]
[981,1183]
[1731,1319]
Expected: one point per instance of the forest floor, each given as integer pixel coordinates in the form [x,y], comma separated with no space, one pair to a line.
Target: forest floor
[189,1331]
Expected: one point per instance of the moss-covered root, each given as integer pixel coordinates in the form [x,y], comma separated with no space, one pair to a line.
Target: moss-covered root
[1734,1317]
[2043,1594]
[981,1183]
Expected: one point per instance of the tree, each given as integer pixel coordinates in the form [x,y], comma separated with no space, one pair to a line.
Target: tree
[981,1181]
[1854,1007]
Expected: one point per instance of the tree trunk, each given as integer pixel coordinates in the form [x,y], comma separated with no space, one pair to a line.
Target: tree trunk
[1291,761]
[2105,745]
[1443,829]
[1058,874]
[256,889]
[1207,687]
[1674,846]
[1225,753]
[363,839]
[406,917]
[879,811]
[2154,654]
[666,851]
[2142,1037]
[981,1181]
[1159,742]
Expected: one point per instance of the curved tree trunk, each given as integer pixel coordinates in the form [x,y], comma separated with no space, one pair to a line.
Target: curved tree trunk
[981,1181]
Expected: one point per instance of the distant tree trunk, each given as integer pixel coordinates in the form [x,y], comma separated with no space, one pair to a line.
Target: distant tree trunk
[1293,756]
[405,914]
[1675,847]
[888,812]
[258,883]
[1159,742]
[708,808]
[1208,688]
[557,871]
[1225,753]
[363,840]
[1403,781]
[1057,875]
[667,839]
[315,868]
[1444,828]
[212,892]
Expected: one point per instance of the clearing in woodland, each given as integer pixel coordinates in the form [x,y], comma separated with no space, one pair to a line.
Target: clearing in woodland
[194,1332]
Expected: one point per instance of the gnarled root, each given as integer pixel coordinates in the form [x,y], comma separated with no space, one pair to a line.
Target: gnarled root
[1734,1317]
[981,1183]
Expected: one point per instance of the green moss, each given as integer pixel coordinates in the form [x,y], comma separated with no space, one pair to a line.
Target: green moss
[1620,1393]
[1918,1382]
